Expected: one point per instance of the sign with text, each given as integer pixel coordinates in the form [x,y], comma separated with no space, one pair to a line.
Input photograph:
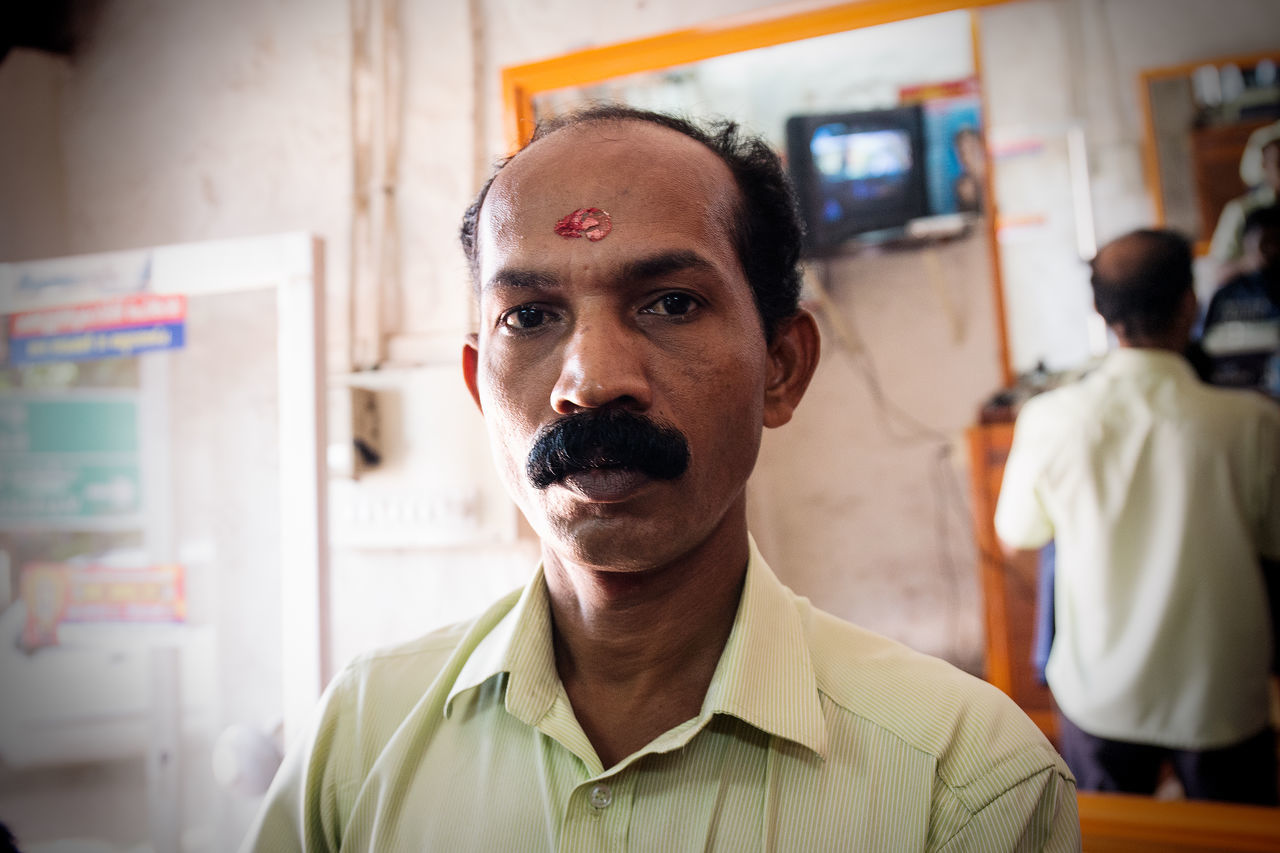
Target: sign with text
[111,329]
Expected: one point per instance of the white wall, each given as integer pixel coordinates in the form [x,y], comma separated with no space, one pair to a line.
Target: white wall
[185,121]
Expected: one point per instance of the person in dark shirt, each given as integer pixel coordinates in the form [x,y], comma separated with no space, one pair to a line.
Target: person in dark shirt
[1241,331]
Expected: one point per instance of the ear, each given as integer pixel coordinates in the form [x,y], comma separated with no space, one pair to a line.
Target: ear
[793,357]
[1188,313]
[1190,306]
[470,364]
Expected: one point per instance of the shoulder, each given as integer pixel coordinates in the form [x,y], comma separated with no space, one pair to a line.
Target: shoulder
[1235,288]
[408,667]
[1228,290]
[1240,410]
[1049,405]
[981,742]
[377,690]
[1053,413]
[1224,245]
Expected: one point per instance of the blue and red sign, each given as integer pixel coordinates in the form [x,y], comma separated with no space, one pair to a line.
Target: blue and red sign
[111,329]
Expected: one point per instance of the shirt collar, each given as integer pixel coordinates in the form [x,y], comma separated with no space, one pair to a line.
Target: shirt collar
[765,676]
[1139,360]
[519,645]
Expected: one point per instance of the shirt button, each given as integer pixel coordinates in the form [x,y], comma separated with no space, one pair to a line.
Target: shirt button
[601,796]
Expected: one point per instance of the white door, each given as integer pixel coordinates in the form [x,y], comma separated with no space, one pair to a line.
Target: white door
[161,550]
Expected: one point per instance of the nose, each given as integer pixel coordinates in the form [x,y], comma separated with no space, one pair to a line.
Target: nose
[602,364]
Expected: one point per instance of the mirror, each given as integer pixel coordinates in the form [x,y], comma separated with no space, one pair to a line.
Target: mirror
[1199,117]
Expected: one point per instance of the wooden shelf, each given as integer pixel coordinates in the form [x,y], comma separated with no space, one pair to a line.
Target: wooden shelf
[1215,167]
[1008,586]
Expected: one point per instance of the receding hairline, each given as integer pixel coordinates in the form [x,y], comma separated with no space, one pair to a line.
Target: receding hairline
[1125,257]
[723,188]
[589,123]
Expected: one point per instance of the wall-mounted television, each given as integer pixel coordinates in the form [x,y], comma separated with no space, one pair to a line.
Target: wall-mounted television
[856,172]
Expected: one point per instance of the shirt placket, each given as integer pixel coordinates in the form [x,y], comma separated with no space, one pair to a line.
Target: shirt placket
[598,814]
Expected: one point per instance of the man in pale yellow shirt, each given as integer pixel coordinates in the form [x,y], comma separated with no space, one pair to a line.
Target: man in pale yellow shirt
[655,687]
[1161,495]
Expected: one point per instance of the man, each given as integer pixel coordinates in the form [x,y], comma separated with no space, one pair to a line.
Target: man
[654,687]
[1161,494]
[970,184]
[1260,172]
[1241,336]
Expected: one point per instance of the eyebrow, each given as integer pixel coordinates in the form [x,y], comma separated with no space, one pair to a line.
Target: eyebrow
[520,279]
[662,264]
[639,269]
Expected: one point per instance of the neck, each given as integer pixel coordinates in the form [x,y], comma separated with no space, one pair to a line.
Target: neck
[1175,340]
[636,650]
[1149,343]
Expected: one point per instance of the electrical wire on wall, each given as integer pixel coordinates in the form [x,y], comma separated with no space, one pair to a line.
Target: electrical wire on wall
[904,428]
[892,416]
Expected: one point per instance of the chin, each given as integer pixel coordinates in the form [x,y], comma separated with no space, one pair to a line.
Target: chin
[609,544]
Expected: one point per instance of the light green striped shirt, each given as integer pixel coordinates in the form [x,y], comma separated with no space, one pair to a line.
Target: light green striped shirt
[814,735]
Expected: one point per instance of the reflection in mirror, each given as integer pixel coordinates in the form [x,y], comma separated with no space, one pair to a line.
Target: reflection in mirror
[1200,118]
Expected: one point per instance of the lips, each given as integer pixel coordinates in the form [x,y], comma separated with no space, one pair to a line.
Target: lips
[605,485]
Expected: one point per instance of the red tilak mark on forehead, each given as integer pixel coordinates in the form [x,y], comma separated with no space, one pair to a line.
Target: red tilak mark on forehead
[590,222]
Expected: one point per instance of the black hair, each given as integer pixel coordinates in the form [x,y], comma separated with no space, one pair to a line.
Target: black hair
[1261,217]
[1143,296]
[766,231]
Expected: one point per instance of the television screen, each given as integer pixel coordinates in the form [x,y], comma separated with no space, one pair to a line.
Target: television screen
[856,172]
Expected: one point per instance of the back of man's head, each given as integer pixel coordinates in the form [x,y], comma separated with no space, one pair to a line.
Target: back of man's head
[1141,281]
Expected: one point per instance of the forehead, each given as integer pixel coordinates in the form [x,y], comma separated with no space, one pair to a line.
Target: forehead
[655,183]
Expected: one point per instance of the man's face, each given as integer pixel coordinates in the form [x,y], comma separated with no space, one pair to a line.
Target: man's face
[1271,165]
[1262,250]
[654,318]
[969,152]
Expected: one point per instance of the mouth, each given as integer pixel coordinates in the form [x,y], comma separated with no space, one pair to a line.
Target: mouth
[605,485]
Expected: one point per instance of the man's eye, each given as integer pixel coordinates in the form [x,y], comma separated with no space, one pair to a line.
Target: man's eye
[673,305]
[524,317]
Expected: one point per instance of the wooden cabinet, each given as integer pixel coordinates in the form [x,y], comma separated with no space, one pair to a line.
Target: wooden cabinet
[1008,586]
[1215,167]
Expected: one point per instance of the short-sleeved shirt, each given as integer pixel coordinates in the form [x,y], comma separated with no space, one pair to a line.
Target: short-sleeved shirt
[814,735]
[1160,494]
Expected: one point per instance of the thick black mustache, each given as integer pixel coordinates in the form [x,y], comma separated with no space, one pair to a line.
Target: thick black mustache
[606,438]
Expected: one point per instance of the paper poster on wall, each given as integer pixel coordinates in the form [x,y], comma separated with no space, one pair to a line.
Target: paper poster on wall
[70,459]
[115,328]
[954,150]
[59,593]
